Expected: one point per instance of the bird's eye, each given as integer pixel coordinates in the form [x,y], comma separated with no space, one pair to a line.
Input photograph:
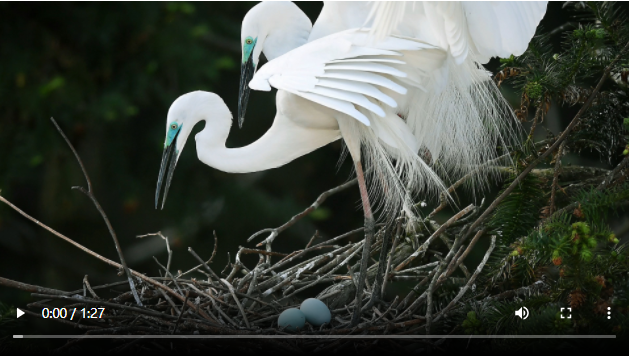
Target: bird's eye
[248,41]
[173,126]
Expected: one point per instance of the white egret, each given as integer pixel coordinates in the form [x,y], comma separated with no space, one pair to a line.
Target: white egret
[454,115]
[448,102]
[386,99]
[308,117]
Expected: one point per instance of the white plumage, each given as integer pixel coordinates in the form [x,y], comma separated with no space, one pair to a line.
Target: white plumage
[391,79]
[429,75]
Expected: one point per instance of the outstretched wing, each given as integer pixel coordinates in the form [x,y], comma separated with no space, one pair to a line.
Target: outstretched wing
[342,71]
[503,28]
[493,28]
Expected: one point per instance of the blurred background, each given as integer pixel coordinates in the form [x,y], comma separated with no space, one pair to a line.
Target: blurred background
[108,72]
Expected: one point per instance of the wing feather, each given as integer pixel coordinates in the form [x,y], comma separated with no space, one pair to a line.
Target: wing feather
[370,60]
[352,97]
[367,78]
[493,28]
[357,87]
[365,67]
[343,71]
[339,105]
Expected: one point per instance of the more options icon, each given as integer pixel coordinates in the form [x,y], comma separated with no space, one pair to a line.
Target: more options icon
[523,313]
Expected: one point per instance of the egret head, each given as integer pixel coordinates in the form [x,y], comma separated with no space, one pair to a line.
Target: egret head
[184,113]
[272,28]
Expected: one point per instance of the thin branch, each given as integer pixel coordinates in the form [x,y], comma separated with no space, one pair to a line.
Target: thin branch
[203,263]
[170,301]
[90,194]
[183,309]
[390,259]
[261,252]
[470,282]
[276,231]
[242,311]
[168,274]
[606,182]
[86,283]
[555,183]
[215,247]
[422,249]
[29,287]
[170,252]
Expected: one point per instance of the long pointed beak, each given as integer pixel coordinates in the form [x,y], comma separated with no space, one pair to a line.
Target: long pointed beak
[247,70]
[170,154]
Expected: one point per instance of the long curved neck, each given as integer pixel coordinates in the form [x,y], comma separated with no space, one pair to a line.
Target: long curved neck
[282,143]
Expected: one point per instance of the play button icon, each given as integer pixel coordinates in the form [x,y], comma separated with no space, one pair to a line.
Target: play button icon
[20,313]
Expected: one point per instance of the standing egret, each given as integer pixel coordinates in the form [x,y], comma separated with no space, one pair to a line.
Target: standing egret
[346,85]
[316,108]
[448,102]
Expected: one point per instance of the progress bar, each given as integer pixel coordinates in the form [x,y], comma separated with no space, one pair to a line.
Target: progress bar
[314,336]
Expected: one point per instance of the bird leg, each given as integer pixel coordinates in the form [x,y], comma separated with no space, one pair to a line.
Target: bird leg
[376,294]
[369,232]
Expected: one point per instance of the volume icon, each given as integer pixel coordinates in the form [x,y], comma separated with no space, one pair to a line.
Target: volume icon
[523,313]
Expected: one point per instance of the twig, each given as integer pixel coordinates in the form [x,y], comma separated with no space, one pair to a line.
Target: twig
[170,301]
[203,263]
[390,259]
[469,247]
[276,231]
[522,290]
[86,283]
[213,301]
[555,183]
[90,194]
[447,241]
[612,174]
[261,252]
[29,287]
[539,117]
[316,234]
[350,254]
[242,311]
[170,252]
[386,311]
[422,249]
[215,247]
[469,283]
[418,268]
[606,181]
[437,279]
[183,309]
[169,275]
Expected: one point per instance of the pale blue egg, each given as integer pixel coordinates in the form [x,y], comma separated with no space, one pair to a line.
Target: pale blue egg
[316,312]
[291,319]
